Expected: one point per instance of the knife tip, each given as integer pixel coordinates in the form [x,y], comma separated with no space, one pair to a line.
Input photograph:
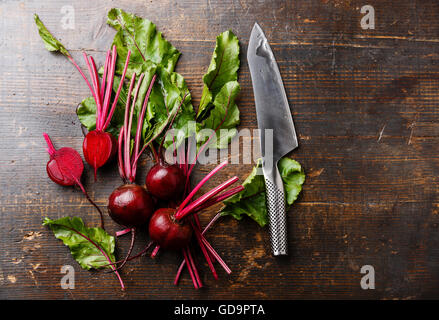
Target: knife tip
[256,26]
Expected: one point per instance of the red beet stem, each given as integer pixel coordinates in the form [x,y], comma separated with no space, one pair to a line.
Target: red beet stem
[109,83]
[211,223]
[137,138]
[150,141]
[82,74]
[216,255]
[189,267]
[181,159]
[91,201]
[130,250]
[103,100]
[141,253]
[205,252]
[50,148]
[127,128]
[119,154]
[187,210]
[104,76]
[197,220]
[219,198]
[172,120]
[200,184]
[194,268]
[155,251]
[95,78]
[187,160]
[154,153]
[183,263]
[97,88]
[122,232]
[180,269]
[94,92]
[119,89]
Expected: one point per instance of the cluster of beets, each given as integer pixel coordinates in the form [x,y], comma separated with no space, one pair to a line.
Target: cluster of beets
[173,225]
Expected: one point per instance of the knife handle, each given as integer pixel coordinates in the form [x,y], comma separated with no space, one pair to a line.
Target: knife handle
[277,214]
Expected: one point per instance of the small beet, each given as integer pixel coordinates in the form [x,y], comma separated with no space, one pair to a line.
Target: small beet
[130,205]
[65,168]
[98,148]
[167,232]
[165,182]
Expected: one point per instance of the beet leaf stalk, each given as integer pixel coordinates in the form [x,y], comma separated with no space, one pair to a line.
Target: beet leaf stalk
[130,205]
[173,228]
[99,146]
[128,158]
[93,249]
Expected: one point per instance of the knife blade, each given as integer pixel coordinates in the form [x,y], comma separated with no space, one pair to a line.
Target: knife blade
[277,132]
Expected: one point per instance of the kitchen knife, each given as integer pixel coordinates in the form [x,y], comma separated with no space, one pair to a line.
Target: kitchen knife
[277,133]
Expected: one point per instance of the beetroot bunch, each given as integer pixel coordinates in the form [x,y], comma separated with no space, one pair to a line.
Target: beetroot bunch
[173,229]
[100,146]
[166,206]
[173,226]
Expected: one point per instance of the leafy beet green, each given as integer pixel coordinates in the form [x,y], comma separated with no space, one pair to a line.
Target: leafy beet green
[252,201]
[92,248]
[223,115]
[146,44]
[151,54]
[223,68]
[82,241]
[51,43]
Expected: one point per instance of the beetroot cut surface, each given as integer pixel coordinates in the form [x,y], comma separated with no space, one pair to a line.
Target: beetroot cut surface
[98,148]
[65,167]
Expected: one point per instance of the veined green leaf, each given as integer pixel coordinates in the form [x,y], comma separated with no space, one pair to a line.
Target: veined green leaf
[252,200]
[141,37]
[87,245]
[150,54]
[224,115]
[163,103]
[51,43]
[223,68]
[86,113]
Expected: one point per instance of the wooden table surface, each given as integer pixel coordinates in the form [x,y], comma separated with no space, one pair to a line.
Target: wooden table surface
[365,107]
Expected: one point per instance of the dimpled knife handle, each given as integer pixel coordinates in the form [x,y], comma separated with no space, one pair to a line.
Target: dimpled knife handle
[277,219]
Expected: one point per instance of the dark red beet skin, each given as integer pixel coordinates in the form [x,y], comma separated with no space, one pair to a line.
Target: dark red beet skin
[98,148]
[130,205]
[167,232]
[165,181]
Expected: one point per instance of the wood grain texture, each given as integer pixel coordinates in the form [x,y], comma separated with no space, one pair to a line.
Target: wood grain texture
[365,107]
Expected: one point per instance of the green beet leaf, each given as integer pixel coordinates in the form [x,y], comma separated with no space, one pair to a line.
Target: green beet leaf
[224,115]
[166,97]
[51,43]
[223,68]
[141,37]
[252,200]
[83,242]
[150,54]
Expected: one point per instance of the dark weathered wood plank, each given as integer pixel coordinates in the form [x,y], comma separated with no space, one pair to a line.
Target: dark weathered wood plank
[364,104]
